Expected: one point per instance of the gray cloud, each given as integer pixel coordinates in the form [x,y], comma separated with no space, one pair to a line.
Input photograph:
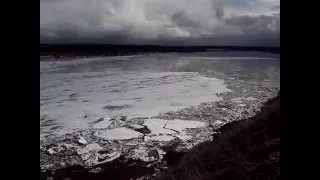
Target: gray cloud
[182,20]
[165,22]
[219,12]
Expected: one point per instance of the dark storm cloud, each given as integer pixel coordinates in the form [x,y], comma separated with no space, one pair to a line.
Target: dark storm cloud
[219,12]
[166,22]
[182,20]
[261,23]
[275,8]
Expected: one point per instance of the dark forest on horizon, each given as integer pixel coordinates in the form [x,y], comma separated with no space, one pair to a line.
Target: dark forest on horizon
[110,50]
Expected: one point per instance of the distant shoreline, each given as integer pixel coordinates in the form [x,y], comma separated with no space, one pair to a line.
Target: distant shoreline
[71,50]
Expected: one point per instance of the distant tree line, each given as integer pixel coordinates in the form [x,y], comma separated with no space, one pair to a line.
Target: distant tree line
[112,50]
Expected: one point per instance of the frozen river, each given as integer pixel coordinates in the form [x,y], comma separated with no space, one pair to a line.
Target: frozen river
[74,93]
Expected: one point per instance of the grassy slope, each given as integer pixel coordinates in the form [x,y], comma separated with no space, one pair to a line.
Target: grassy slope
[246,149]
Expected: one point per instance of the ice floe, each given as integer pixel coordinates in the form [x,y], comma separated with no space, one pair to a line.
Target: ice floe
[160,138]
[121,133]
[180,125]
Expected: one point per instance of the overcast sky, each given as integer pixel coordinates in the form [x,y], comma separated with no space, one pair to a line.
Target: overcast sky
[163,22]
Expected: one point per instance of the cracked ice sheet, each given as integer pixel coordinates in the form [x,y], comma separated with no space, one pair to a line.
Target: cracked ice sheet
[180,125]
[156,126]
[162,138]
[119,134]
[102,125]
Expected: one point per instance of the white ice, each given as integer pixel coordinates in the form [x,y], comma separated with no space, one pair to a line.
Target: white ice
[250,99]
[112,156]
[217,123]
[161,130]
[136,126]
[156,126]
[240,99]
[241,105]
[73,100]
[89,147]
[184,137]
[180,125]
[161,138]
[119,134]
[82,140]
[229,58]
[102,125]
[167,130]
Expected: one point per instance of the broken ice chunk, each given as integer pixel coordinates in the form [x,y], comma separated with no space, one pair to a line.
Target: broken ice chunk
[89,147]
[119,134]
[162,138]
[51,151]
[180,125]
[82,140]
[102,124]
